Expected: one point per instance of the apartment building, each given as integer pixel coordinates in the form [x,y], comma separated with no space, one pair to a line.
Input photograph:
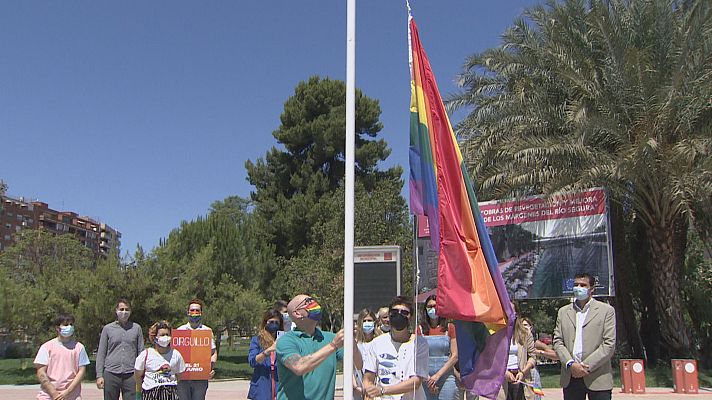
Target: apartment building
[18,214]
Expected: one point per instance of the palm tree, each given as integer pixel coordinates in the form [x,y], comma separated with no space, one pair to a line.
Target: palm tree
[603,93]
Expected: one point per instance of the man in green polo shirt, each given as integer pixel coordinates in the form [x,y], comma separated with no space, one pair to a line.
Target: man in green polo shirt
[307,356]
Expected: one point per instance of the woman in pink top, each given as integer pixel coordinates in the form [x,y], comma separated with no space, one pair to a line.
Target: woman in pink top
[61,363]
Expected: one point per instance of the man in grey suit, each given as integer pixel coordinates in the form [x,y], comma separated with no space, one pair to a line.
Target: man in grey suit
[584,340]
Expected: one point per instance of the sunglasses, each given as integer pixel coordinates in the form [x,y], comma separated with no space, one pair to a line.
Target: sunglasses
[304,303]
[395,311]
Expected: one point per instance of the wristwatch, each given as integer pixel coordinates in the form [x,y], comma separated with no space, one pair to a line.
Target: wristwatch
[569,364]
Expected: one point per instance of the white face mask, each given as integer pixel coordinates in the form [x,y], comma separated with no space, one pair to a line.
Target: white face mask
[123,316]
[163,341]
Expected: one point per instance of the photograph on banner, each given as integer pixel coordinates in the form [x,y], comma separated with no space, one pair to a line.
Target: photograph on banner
[540,243]
[195,346]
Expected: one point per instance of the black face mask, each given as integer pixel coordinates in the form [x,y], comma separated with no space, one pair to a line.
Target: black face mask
[398,321]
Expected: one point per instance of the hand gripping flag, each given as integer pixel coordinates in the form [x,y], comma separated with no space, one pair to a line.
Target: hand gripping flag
[470,287]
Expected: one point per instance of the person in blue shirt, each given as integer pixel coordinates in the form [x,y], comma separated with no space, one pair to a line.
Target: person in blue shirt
[262,354]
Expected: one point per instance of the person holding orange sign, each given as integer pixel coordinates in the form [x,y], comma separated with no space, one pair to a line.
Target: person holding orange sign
[196,389]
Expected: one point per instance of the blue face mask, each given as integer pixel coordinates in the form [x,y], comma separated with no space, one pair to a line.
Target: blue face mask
[432,314]
[368,327]
[272,327]
[66,330]
[580,293]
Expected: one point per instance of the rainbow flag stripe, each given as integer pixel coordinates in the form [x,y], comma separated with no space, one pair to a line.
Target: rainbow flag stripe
[535,388]
[470,287]
[313,307]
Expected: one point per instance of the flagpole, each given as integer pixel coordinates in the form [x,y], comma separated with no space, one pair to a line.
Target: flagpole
[349,196]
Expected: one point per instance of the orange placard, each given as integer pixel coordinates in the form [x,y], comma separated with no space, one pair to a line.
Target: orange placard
[195,347]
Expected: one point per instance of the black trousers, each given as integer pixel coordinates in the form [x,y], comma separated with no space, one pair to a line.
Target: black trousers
[119,384]
[577,390]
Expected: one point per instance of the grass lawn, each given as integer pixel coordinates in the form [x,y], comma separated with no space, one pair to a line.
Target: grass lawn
[659,376]
[17,372]
[232,363]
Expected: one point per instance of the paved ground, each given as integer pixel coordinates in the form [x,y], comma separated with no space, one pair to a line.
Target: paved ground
[237,389]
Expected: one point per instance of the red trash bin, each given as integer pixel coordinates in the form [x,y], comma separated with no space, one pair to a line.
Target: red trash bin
[633,376]
[684,376]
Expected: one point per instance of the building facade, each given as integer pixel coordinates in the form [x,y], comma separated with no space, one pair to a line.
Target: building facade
[18,214]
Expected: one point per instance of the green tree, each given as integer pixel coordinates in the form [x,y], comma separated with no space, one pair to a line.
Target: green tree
[381,218]
[99,290]
[698,294]
[151,285]
[290,182]
[299,193]
[603,93]
[220,259]
[45,275]
[232,234]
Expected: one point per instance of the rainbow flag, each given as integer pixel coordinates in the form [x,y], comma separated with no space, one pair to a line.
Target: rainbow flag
[470,287]
[536,388]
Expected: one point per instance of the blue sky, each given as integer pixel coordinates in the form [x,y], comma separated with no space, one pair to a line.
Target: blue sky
[142,113]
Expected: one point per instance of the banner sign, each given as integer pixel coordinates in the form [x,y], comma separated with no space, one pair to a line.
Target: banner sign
[195,346]
[541,243]
[573,205]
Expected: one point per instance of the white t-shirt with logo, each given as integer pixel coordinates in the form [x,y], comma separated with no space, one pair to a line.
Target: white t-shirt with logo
[395,362]
[159,369]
